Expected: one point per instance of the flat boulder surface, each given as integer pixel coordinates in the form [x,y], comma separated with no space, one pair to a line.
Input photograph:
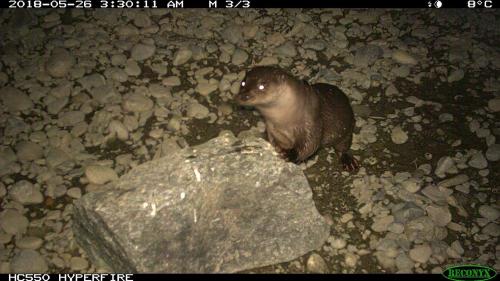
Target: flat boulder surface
[227,205]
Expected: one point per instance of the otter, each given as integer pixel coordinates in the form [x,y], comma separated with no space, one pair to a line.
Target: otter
[299,117]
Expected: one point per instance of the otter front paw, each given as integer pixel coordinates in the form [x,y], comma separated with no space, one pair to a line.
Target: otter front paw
[292,155]
[287,154]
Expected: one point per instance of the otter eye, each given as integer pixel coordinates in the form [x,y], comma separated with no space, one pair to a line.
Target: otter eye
[243,83]
[261,87]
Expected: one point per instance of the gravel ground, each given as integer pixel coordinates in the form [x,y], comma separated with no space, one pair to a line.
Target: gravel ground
[86,95]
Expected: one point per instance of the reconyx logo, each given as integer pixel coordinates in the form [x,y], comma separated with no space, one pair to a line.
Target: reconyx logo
[469,272]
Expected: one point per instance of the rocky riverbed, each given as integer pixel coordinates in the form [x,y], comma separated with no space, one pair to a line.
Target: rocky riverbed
[86,95]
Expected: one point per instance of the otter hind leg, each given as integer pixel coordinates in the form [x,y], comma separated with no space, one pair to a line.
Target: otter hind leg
[349,163]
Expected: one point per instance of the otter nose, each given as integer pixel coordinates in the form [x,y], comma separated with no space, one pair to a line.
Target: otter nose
[243,96]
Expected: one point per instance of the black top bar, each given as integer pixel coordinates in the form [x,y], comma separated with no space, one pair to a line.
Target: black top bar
[232,4]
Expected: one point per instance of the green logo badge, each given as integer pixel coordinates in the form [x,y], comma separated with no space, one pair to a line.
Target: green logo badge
[469,272]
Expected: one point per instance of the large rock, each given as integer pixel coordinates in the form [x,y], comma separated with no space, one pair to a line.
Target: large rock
[224,206]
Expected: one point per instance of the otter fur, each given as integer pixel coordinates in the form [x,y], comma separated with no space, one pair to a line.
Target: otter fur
[299,117]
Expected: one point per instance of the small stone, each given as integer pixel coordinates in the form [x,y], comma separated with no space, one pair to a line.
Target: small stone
[60,63]
[250,30]
[3,190]
[182,56]
[225,109]
[452,253]
[367,55]
[456,227]
[92,81]
[5,267]
[403,57]
[478,161]
[368,133]
[5,237]
[55,191]
[351,260]
[78,264]
[381,224]
[337,242]
[492,229]
[132,68]
[457,247]
[28,151]
[464,188]
[445,165]
[25,193]
[13,222]
[483,132]
[15,100]
[456,75]
[421,253]
[397,228]
[239,57]
[29,242]
[401,71]
[119,130]
[56,157]
[426,168]
[412,185]
[74,192]
[100,174]
[445,117]
[118,59]
[346,217]
[171,81]
[174,124]
[388,247]
[137,102]
[474,125]
[493,152]
[197,111]
[494,105]
[286,50]
[416,101]
[437,194]
[58,262]
[423,229]
[268,61]
[316,264]
[456,180]
[142,52]
[441,216]
[400,177]
[489,212]
[232,33]
[28,261]
[142,20]
[205,87]
[315,44]
[404,263]
[71,118]
[398,136]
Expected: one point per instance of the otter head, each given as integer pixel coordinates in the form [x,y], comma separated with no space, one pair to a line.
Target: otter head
[262,86]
